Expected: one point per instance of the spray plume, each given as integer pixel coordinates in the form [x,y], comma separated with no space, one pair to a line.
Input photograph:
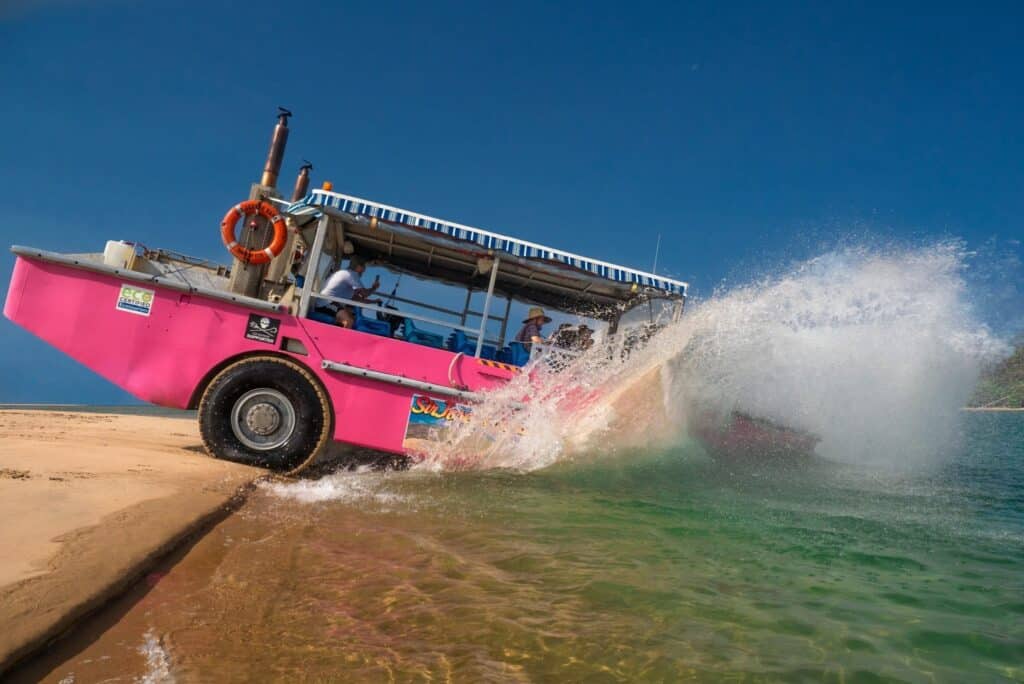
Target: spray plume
[873,352]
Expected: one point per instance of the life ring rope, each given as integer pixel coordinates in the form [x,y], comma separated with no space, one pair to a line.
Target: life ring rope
[253,208]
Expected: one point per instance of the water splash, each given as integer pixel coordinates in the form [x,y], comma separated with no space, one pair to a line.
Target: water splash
[874,352]
[363,486]
[158,662]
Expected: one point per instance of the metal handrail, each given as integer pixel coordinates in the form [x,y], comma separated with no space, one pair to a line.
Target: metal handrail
[399,380]
[432,307]
[538,349]
[396,312]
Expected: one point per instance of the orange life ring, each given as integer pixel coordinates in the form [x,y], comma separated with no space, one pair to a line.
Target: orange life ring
[251,208]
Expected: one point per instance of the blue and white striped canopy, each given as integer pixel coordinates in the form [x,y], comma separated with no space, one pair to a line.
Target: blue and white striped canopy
[485,239]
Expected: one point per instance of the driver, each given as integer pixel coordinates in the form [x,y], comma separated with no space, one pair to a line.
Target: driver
[346,283]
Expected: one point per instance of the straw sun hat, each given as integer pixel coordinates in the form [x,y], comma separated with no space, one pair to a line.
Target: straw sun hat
[537,312]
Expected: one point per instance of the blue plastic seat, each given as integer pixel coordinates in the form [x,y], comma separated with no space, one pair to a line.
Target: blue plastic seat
[363,324]
[518,354]
[371,325]
[322,317]
[459,341]
[456,341]
[417,336]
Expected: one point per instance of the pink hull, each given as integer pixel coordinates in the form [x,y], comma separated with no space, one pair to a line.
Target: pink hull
[167,356]
[745,437]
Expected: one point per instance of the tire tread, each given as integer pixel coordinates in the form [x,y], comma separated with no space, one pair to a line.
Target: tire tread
[312,380]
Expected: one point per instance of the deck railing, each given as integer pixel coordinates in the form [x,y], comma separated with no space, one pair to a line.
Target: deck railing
[404,314]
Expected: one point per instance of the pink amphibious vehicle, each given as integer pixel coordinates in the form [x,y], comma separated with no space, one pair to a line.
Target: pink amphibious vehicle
[255,348]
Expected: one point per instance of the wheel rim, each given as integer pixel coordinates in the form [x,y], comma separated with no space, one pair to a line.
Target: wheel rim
[263,419]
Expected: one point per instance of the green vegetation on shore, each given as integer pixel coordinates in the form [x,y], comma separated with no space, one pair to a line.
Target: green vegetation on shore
[1003,385]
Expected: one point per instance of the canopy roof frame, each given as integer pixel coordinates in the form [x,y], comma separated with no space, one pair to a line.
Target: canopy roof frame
[452,261]
[491,242]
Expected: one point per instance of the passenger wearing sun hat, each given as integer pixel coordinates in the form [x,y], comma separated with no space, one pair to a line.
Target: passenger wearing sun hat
[531,331]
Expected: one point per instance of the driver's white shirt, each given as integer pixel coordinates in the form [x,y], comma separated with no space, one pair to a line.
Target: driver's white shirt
[343,283]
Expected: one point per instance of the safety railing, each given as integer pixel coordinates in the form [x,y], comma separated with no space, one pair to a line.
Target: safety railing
[552,355]
[403,314]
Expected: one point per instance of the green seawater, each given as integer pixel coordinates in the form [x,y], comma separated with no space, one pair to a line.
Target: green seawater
[657,567]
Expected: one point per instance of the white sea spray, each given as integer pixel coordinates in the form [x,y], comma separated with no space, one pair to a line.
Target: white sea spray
[158,662]
[875,352]
[359,486]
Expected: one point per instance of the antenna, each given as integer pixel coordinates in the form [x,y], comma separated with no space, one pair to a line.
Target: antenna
[654,270]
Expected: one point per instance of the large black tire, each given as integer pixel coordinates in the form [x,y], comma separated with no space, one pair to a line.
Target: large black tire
[265,411]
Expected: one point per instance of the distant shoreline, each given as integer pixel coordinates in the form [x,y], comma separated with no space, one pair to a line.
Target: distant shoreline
[992,409]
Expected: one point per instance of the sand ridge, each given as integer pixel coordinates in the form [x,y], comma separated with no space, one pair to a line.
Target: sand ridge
[87,501]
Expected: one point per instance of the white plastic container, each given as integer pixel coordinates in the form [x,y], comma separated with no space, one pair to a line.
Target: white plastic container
[118,253]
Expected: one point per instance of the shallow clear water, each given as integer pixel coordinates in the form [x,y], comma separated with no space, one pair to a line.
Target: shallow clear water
[643,567]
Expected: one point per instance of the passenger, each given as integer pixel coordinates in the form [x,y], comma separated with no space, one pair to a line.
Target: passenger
[574,338]
[584,337]
[347,284]
[566,336]
[530,333]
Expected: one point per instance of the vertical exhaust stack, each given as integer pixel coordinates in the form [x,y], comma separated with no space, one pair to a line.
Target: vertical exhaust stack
[282,263]
[302,182]
[247,279]
[276,153]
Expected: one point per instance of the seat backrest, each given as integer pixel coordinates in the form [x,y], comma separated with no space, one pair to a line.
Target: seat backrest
[371,325]
[457,342]
[519,354]
[322,317]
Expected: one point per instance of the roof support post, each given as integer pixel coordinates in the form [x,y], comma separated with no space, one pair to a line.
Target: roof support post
[487,305]
[677,310]
[313,264]
[465,309]
[504,321]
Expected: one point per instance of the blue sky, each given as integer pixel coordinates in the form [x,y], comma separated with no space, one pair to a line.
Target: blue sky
[746,134]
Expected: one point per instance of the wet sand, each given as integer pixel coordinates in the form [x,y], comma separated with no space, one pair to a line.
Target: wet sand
[90,501]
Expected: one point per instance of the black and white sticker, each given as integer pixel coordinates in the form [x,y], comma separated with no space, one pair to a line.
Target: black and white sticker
[262,328]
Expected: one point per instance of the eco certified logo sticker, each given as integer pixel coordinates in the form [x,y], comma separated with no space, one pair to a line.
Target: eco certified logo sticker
[136,300]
